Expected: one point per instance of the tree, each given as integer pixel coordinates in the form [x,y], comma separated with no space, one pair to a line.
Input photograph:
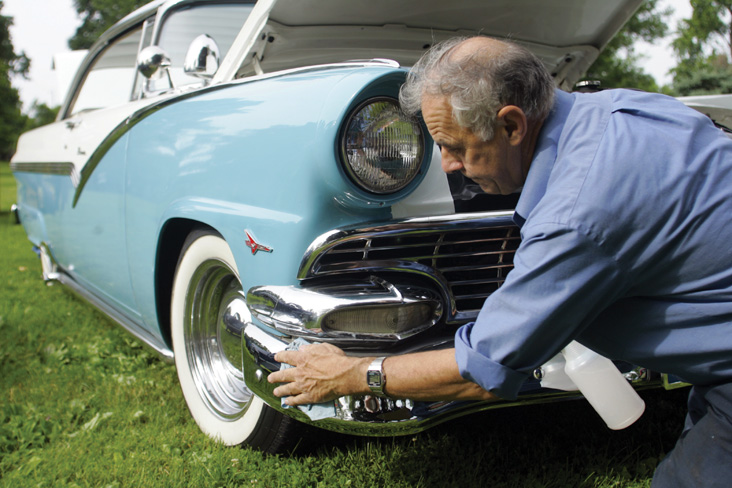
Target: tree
[40,114]
[704,49]
[617,65]
[12,120]
[98,16]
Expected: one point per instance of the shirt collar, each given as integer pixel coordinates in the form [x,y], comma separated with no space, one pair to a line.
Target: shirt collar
[545,154]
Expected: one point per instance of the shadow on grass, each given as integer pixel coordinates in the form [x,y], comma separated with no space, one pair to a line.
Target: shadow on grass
[559,444]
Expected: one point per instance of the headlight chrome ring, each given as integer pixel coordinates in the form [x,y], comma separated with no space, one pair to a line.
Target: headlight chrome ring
[382,149]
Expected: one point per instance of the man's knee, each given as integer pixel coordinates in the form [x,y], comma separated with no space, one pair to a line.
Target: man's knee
[702,456]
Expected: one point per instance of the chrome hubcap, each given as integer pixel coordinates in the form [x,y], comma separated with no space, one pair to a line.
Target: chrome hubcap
[213,345]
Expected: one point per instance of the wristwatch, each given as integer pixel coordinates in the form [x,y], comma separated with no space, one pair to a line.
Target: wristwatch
[375,376]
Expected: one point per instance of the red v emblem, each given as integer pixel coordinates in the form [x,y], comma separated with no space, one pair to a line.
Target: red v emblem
[254,245]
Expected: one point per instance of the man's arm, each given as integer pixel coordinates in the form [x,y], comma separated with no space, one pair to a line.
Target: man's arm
[323,372]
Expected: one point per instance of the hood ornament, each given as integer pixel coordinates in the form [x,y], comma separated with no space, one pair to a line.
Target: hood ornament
[254,245]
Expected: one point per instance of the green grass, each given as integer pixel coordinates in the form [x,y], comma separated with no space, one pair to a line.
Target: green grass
[82,404]
[7,188]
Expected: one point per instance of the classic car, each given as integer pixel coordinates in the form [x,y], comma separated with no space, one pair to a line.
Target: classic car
[226,176]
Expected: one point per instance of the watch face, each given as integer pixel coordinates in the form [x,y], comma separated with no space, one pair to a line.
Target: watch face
[373,378]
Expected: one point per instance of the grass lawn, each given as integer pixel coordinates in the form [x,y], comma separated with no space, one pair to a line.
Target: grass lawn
[83,404]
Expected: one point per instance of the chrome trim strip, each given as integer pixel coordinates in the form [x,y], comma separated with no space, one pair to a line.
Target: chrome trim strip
[52,272]
[142,334]
[48,168]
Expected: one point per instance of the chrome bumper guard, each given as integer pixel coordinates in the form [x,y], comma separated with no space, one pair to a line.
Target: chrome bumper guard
[371,312]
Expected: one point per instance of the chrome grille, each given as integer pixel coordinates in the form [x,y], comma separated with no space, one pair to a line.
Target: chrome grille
[469,259]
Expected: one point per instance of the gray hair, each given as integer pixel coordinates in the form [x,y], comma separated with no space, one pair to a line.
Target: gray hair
[477,86]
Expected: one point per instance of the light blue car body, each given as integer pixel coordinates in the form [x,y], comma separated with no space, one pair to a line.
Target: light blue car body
[234,158]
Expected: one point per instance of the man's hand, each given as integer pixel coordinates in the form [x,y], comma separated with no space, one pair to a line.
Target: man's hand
[323,372]
[320,372]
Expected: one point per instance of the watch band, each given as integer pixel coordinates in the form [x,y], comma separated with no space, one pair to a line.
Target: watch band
[375,376]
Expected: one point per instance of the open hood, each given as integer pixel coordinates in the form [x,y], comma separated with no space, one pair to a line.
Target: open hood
[716,107]
[567,35]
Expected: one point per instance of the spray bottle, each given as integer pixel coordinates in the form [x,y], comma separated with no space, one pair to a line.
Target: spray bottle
[599,381]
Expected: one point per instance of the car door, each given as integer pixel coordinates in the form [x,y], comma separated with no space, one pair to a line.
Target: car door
[91,243]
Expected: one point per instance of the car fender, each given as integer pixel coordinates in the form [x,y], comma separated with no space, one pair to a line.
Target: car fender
[224,158]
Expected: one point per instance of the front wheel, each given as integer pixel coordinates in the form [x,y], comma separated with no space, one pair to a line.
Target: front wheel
[208,354]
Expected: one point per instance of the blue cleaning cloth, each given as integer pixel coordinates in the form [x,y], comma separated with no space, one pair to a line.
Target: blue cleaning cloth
[315,411]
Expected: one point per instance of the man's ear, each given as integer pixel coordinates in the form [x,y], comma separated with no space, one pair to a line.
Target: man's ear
[513,120]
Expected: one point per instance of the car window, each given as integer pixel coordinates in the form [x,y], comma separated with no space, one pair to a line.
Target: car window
[221,22]
[110,79]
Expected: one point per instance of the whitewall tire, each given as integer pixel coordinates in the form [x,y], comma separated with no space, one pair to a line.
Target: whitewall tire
[212,381]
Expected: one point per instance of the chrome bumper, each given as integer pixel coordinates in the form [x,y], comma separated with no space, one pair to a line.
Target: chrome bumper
[358,414]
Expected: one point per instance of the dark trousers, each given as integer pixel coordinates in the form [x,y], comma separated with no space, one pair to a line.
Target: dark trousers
[702,456]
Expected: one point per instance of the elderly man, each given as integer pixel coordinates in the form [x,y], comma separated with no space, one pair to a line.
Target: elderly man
[625,208]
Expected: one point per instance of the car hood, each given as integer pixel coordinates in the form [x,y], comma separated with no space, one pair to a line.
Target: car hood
[567,35]
[716,107]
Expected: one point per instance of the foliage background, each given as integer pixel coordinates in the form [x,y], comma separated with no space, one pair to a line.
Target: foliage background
[12,64]
[98,16]
[703,47]
[617,65]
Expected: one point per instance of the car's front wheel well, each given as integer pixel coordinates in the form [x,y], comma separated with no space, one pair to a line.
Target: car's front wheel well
[170,245]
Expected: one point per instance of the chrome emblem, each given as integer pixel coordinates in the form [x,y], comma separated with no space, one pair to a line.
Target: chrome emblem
[254,245]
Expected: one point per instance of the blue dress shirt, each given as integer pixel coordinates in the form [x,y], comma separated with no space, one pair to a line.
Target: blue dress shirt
[626,246]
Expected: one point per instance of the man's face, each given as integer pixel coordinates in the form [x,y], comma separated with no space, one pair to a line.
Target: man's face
[495,165]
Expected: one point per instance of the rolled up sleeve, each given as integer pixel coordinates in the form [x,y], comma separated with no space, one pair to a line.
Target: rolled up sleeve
[561,281]
[507,382]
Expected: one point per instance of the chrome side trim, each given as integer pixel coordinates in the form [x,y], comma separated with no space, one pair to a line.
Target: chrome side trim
[52,272]
[142,334]
[61,169]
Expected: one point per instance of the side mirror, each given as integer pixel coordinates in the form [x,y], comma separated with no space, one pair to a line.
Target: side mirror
[152,62]
[202,58]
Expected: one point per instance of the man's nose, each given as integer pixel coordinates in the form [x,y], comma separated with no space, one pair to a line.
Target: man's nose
[449,163]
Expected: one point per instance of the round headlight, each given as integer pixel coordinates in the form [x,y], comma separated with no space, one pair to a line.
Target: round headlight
[382,148]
